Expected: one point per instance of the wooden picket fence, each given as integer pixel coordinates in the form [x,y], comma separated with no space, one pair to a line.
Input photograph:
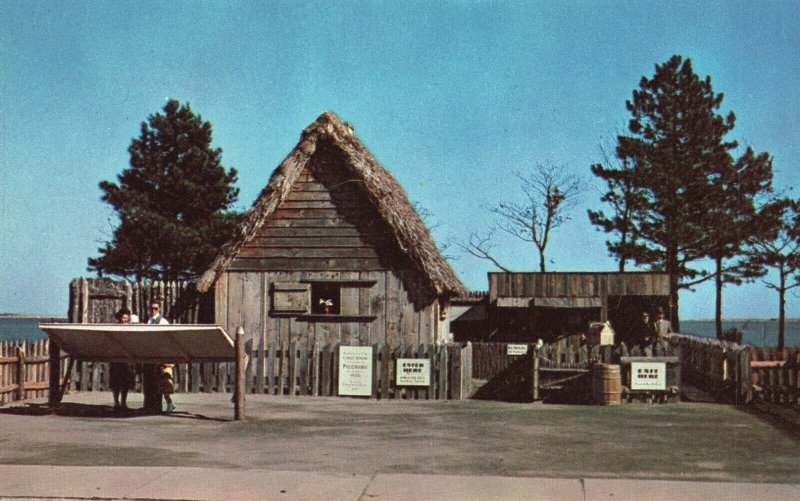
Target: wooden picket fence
[23,370]
[297,370]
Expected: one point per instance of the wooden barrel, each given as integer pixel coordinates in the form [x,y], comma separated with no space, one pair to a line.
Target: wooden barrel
[606,384]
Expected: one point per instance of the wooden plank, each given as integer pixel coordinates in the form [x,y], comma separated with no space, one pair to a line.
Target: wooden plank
[271,368]
[385,370]
[325,373]
[311,264]
[423,392]
[195,378]
[235,301]
[411,392]
[282,367]
[239,409]
[350,300]
[377,306]
[376,374]
[292,359]
[303,369]
[252,252]
[335,370]
[443,366]
[261,357]
[331,222]
[396,353]
[265,233]
[454,356]
[313,241]
[315,370]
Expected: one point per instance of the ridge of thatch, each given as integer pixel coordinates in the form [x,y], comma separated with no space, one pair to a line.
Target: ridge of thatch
[409,232]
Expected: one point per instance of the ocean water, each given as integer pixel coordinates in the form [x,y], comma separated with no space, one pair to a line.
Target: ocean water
[24,329]
[755,332]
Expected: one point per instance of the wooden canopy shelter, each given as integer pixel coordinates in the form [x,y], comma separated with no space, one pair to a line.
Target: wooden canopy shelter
[528,306]
[332,252]
[142,343]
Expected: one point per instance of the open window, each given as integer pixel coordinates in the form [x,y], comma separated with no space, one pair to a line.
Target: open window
[326,298]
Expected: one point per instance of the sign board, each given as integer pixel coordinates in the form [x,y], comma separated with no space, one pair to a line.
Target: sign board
[516,349]
[413,372]
[648,376]
[355,370]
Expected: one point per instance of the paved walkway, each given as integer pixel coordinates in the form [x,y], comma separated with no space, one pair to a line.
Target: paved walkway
[184,483]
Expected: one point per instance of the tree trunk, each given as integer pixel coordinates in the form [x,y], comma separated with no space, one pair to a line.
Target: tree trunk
[718,305]
[541,261]
[781,309]
[672,269]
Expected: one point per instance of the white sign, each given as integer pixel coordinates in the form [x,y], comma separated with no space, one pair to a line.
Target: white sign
[648,376]
[413,372]
[516,349]
[355,370]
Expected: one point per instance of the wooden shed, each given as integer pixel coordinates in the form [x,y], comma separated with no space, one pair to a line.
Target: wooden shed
[332,252]
[529,306]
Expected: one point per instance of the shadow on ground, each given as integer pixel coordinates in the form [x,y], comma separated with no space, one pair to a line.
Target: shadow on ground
[69,409]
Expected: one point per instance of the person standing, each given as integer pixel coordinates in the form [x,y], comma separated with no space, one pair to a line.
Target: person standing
[156,318]
[643,332]
[151,373]
[121,375]
[663,327]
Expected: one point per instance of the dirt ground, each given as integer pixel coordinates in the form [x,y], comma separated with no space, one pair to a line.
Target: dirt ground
[341,435]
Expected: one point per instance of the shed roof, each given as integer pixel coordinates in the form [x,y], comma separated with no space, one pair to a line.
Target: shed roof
[409,234]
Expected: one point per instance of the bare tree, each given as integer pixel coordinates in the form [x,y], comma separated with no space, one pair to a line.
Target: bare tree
[480,245]
[549,193]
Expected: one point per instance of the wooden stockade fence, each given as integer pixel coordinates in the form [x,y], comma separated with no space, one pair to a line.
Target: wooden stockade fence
[297,370]
[24,367]
[559,370]
[720,368]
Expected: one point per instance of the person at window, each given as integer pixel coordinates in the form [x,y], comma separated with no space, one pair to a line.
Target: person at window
[151,373]
[121,377]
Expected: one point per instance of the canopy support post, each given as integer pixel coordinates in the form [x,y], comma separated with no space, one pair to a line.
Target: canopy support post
[238,396]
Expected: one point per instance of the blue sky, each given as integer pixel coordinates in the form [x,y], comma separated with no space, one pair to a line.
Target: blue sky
[452,97]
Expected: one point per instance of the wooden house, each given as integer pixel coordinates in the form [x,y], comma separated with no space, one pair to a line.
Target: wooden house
[332,252]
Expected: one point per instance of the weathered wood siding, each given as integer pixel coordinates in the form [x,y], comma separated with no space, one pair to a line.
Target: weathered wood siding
[375,308]
[533,285]
[321,226]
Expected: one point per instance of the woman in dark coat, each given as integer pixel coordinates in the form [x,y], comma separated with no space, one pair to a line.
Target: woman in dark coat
[122,376]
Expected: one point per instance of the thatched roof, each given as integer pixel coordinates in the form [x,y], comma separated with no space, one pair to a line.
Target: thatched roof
[409,233]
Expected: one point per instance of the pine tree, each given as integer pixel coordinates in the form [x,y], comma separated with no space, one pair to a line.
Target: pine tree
[778,247]
[173,201]
[674,155]
[734,220]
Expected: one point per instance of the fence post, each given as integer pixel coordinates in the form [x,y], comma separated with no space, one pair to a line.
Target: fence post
[54,371]
[238,411]
[20,373]
[535,375]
